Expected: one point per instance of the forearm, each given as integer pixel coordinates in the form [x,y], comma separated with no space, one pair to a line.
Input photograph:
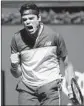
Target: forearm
[69,73]
[15,65]
[16,70]
[69,70]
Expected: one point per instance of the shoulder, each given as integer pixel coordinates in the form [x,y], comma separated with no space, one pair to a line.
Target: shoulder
[17,34]
[16,40]
[50,31]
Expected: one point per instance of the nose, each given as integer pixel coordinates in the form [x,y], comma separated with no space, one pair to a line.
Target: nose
[28,22]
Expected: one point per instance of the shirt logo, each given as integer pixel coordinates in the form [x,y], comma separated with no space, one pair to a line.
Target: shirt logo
[48,43]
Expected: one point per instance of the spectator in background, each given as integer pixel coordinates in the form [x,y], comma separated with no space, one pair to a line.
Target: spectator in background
[36,52]
[45,17]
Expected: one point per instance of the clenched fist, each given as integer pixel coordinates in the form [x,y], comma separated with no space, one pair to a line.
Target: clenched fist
[15,58]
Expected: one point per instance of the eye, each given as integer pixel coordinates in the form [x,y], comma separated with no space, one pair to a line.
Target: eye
[24,19]
[31,18]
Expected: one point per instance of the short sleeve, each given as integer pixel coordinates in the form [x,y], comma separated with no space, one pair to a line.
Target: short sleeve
[61,47]
[13,45]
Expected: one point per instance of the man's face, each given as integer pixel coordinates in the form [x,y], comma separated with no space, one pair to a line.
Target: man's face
[30,21]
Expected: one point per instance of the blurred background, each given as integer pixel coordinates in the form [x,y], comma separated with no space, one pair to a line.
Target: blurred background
[64,16]
[56,12]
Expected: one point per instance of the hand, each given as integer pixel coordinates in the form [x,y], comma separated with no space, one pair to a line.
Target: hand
[70,92]
[15,58]
[71,96]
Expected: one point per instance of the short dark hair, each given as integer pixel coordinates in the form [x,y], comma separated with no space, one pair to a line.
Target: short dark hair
[29,6]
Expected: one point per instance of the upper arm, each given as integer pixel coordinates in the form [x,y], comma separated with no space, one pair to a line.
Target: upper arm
[61,47]
[13,45]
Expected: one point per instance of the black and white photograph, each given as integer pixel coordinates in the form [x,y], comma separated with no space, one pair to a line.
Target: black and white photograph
[42,52]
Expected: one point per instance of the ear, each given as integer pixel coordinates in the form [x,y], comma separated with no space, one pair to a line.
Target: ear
[39,17]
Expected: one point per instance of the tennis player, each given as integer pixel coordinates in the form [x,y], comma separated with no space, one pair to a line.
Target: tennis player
[36,52]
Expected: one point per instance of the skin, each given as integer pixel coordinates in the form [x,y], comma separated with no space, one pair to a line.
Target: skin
[69,70]
[31,22]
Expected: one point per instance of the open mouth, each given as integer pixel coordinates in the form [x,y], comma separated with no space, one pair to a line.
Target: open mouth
[30,27]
